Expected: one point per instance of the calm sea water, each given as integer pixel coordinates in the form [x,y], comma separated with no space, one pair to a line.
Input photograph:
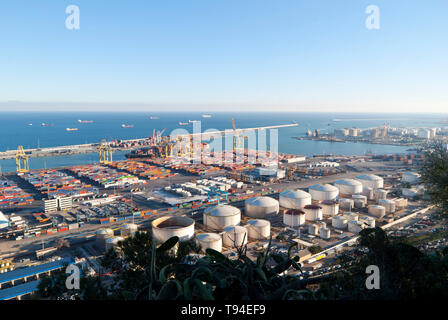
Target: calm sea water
[15,130]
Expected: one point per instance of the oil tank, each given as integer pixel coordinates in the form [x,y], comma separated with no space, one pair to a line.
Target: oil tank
[294,199]
[260,207]
[313,212]
[369,222]
[359,200]
[351,216]
[101,236]
[329,207]
[234,236]
[128,229]
[320,192]
[112,242]
[369,193]
[313,230]
[169,226]
[388,204]
[294,218]
[258,229]
[410,177]
[325,233]
[355,226]
[371,181]
[377,211]
[380,194]
[346,204]
[348,186]
[339,222]
[221,216]
[209,240]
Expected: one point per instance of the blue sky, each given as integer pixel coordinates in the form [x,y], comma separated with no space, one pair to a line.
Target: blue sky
[251,55]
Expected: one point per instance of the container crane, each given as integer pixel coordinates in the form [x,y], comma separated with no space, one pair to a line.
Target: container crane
[105,151]
[21,156]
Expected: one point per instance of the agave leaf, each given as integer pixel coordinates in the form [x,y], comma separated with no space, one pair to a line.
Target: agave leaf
[204,293]
[168,244]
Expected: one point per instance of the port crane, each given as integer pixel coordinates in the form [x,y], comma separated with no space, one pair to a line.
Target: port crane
[21,156]
[105,151]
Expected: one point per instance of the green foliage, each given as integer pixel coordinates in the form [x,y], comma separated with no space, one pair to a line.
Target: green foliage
[315,249]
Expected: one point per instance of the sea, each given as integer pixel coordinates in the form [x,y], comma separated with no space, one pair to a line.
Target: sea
[25,129]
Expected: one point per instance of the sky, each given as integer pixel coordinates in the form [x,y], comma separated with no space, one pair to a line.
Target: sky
[224,55]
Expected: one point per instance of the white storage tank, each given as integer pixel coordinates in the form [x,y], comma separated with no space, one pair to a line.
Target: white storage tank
[101,236]
[325,233]
[410,177]
[313,229]
[380,194]
[258,229]
[260,207]
[320,192]
[221,216]
[351,216]
[128,229]
[377,211]
[294,199]
[371,181]
[369,193]
[329,207]
[388,204]
[346,204]
[235,236]
[361,198]
[112,242]
[348,186]
[355,226]
[339,222]
[369,222]
[209,240]
[169,226]
[313,212]
[294,218]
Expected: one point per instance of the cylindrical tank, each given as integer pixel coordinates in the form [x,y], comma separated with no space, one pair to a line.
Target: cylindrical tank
[325,233]
[260,207]
[348,186]
[369,222]
[221,216]
[313,212]
[322,192]
[388,204]
[371,180]
[235,236]
[128,229]
[294,199]
[101,236]
[112,242]
[169,226]
[360,197]
[209,240]
[258,229]
[351,216]
[369,193]
[294,218]
[355,226]
[346,204]
[339,222]
[377,211]
[329,207]
[313,230]
[380,194]
[410,177]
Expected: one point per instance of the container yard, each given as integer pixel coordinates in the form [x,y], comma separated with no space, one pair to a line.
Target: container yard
[143,170]
[11,194]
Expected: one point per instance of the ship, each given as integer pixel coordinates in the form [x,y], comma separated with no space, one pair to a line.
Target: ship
[141,153]
[127,126]
[30,124]
[85,121]
[71,129]
[154,118]
[193,121]
[183,123]
[43,124]
[206,116]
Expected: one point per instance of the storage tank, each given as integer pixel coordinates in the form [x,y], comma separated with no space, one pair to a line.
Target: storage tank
[371,181]
[339,222]
[128,229]
[320,192]
[377,211]
[101,236]
[351,216]
[355,226]
[112,242]
[313,230]
[313,212]
[221,216]
[369,193]
[348,186]
[260,207]
[234,236]
[169,226]
[258,229]
[294,218]
[294,199]
[209,240]
[346,204]
[410,177]
[388,204]
[329,207]
[325,233]
[380,194]
[369,222]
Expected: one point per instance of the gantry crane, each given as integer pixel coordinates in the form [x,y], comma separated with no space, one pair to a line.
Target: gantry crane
[21,156]
[238,139]
[105,151]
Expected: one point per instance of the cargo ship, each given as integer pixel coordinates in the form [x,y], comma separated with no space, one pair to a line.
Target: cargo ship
[71,129]
[193,121]
[85,121]
[183,123]
[127,126]
[206,116]
[154,118]
[141,153]
[43,124]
